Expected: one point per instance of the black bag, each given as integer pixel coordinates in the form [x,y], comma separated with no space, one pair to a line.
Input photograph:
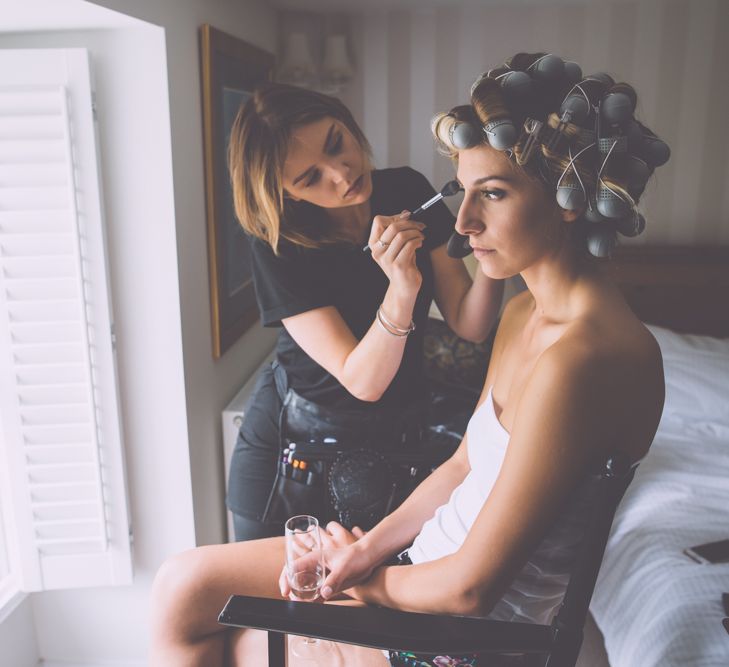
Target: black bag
[358,466]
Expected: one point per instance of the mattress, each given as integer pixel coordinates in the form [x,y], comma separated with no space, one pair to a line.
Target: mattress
[655,606]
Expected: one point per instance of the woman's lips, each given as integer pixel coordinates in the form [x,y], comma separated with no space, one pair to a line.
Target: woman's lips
[354,188]
[481,252]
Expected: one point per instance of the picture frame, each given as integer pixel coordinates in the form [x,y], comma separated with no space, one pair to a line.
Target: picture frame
[230,70]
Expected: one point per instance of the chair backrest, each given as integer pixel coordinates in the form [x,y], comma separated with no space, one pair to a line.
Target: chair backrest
[570,619]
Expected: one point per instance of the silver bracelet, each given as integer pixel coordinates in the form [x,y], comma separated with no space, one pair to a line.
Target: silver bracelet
[391,327]
[384,327]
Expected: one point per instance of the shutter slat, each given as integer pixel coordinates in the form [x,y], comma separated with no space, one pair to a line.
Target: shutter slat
[53,303]
[68,415]
[32,152]
[33,222]
[28,102]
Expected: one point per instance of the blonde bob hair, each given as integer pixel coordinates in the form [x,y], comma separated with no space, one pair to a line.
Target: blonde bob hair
[259,143]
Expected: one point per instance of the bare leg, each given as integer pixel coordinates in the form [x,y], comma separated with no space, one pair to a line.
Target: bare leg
[249,647]
[191,588]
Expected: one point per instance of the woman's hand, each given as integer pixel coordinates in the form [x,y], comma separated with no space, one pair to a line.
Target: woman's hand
[394,240]
[346,565]
[347,562]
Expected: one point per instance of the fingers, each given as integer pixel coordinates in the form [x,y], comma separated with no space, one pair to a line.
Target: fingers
[358,532]
[385,229]
[329,587]
[337,530]
[283,583]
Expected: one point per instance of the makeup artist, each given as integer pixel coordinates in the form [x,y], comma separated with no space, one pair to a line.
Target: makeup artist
[349,357]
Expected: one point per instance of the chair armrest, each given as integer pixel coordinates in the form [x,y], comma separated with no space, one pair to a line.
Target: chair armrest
[383,628]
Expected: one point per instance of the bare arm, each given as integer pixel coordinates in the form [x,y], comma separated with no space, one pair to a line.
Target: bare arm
[552,443]
[355,563]
[470,307]
[366,367]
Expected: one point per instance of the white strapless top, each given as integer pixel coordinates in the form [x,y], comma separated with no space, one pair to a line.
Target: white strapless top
[537,590]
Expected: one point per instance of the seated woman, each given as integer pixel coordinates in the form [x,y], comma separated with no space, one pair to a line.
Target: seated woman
[574,377]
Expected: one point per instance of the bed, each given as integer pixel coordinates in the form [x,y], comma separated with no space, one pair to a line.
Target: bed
[653,606]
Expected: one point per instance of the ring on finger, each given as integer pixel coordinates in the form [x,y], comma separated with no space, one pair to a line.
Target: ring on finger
[382,243]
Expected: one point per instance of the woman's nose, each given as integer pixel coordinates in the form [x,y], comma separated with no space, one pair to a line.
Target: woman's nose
[338,170]
[468,220]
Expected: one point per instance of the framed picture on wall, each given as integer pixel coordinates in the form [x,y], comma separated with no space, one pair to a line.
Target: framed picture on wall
[231,69]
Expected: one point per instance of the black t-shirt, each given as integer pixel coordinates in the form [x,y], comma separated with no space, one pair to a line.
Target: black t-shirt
[341,275]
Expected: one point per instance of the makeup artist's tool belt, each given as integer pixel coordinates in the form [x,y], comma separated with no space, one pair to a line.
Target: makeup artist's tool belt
[350,466]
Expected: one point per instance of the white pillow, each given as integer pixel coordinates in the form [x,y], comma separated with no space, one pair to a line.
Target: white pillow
[697,376]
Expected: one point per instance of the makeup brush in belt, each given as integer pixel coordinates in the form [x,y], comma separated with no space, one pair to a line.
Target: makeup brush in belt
[449,189]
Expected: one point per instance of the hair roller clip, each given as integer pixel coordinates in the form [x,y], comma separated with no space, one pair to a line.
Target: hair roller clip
[532,128]
[575,108]
[572,196]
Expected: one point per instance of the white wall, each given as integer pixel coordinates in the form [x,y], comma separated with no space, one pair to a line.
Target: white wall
[172,392]
[209,385]
[18,642]
[419,61]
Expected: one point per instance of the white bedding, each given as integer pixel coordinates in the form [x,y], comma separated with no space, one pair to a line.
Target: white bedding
[655,606]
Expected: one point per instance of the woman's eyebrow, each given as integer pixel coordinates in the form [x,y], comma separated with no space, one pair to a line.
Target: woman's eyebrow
[327,143]
[493,177]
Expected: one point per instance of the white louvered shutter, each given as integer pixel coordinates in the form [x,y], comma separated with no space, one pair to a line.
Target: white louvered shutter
[61,449]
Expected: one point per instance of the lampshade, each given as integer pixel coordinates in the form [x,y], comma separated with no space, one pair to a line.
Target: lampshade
[298,65]
[336,66]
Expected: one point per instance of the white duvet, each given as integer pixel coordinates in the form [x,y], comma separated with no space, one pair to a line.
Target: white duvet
[655,606]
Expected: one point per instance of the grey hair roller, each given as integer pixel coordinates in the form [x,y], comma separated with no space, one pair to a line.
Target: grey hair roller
[573,72]
[616,108]
[610,204]
[548,68]
[501,134]
[601,240]
[465,135]
[517,85]
[631,226]
[570,196]
[655,151]
[575,109]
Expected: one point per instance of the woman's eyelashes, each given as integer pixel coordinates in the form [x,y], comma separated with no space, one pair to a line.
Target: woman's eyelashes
[336,146]
[313,178]
[334,149]
[493,194]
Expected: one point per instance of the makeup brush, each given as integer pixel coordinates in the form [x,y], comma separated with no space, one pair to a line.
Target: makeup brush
[448,190]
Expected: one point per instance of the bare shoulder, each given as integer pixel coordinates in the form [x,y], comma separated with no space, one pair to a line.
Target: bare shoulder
[611,372]
[515,312]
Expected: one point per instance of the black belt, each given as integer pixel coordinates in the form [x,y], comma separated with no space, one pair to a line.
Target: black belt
[302,419]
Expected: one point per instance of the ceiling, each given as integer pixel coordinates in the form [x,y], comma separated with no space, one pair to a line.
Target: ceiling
[359,5]
[42,15]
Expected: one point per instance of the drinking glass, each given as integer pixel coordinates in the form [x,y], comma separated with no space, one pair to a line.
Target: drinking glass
[305,572]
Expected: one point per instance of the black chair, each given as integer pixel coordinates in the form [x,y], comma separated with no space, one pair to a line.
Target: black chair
[555,645]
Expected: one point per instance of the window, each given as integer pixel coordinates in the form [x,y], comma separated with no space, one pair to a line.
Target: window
[63,487]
